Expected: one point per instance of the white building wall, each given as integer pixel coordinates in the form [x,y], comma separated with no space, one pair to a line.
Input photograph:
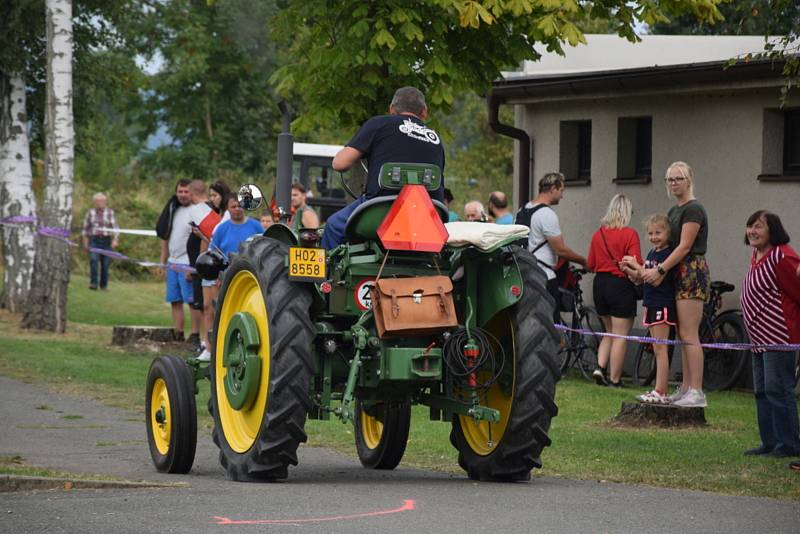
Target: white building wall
[719,134]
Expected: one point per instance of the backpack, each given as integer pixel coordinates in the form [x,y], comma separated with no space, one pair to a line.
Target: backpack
[524,216]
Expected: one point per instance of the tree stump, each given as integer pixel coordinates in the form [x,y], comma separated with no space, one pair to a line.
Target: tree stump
[129,335]
[663,415]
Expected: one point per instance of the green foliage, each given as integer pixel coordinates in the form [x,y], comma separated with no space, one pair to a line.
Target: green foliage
[345,60]
[479,160]
[212,92]
[739,17]
[106,35]
[777,18]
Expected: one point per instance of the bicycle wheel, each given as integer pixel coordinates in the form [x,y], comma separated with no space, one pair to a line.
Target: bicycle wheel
[722,368]
[644,365]
[587,355]
[565,350]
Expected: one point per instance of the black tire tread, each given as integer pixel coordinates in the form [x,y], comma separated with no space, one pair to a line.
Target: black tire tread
[183,440]
[291,367]
[537,372]
[392,446]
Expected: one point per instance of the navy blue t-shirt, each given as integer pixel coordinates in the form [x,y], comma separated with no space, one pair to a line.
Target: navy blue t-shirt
[397,139]
[663,295]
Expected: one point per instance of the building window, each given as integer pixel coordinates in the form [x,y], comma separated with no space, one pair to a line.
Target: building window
[791,142]
[575,151]
[780,156]
[635,149]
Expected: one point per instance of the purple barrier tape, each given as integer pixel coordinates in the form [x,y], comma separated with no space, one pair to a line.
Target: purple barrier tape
[18,219]
[658,341]
[57,233]
[181,268]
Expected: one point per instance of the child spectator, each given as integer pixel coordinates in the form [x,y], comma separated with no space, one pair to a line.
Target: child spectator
[659,302]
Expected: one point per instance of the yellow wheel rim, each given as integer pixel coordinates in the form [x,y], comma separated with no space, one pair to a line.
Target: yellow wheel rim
[241,427]
[159,402]
[371,430]
[482,436]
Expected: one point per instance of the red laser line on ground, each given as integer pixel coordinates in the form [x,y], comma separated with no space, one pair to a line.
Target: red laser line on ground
[408,505]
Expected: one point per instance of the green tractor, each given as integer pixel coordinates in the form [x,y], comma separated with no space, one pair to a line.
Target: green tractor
[403,314]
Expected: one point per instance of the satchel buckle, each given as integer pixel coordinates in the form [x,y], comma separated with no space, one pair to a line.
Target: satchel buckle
[417,297]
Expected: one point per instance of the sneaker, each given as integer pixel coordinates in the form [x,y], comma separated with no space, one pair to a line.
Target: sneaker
[653,397]
[694,398]
[204,356]
[600,377]
[795,466]
[177,336]
[615,384]
[676,395]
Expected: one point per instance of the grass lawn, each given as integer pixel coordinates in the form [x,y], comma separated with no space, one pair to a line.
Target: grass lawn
[585,444]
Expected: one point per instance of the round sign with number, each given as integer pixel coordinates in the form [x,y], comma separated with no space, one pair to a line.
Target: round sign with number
[362,294]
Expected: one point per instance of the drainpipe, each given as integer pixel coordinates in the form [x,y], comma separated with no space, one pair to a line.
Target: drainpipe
[524,159]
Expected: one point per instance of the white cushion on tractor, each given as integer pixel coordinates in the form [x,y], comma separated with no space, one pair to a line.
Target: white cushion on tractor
[482,235]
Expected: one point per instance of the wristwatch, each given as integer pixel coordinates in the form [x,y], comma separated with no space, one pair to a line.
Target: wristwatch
[661,270]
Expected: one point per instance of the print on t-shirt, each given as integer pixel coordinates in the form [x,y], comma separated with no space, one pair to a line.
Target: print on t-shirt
[419,132]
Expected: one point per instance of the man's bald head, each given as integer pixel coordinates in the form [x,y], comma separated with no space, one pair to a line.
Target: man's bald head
[498,199]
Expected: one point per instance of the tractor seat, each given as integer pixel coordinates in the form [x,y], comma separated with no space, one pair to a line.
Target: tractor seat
[722,287]
[484,236]
[363,223]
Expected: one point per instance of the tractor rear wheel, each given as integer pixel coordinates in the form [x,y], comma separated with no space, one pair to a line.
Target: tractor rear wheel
[261,365]
[382,433]
[171,415]
[509,449]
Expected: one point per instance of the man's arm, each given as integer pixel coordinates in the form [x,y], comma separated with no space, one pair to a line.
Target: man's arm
[310,219]
[346,158]
[563,251]
[163,256]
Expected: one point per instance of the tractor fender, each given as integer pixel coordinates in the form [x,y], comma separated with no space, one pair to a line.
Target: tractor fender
[499,283]
[281,232]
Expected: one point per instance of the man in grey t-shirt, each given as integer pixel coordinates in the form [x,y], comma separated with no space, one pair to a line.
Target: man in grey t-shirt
[545,239]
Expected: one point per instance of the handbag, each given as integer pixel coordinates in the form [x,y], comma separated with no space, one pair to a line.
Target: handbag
[638,289]
[413,306]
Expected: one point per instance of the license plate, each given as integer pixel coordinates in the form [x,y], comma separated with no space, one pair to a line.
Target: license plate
[307,264]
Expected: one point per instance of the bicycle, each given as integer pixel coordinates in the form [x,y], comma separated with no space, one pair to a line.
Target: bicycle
[579,350]
[721,367]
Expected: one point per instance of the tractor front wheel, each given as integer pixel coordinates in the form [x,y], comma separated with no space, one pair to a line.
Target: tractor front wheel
[171,415]
[261,366]
[508,449]
[382,433]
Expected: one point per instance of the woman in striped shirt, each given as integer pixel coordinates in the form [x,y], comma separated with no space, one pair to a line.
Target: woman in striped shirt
[771,307]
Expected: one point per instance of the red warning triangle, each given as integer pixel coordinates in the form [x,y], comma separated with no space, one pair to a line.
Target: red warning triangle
[413,223]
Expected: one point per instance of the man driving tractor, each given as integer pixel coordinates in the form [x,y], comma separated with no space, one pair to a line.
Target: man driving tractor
[400,136]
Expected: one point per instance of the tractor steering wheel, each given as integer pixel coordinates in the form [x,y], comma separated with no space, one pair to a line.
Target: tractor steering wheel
[346,186]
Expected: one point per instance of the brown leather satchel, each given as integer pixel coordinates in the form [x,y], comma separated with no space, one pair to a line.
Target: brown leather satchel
[413,306]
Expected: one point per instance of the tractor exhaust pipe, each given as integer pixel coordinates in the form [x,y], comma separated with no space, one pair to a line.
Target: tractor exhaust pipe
[283,186]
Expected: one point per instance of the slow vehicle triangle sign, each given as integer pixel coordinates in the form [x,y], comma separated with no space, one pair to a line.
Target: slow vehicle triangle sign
[413,223]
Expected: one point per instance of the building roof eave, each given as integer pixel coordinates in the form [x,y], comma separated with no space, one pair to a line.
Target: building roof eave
[666,78]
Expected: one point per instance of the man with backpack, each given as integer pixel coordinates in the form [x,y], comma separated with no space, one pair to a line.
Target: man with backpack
[545,240]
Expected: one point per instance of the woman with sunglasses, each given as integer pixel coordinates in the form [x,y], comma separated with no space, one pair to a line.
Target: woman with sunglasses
[688,236]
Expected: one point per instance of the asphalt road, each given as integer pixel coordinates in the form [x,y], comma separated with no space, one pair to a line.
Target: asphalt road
[327,492]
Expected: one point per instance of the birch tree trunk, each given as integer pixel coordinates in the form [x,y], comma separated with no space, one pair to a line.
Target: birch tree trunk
[48,296]
[16,195]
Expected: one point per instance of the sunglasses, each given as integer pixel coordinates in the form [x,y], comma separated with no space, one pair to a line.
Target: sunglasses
[675,179]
